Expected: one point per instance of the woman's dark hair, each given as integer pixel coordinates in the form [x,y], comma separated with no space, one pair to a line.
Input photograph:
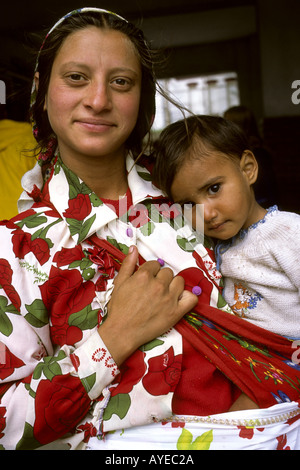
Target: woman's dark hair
[50,49]
[213,134]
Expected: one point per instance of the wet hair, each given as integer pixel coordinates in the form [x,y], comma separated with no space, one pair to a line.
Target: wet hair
[213,134]
[47,56]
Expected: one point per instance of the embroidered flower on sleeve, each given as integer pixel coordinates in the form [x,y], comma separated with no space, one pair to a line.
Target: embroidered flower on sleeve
[245,300]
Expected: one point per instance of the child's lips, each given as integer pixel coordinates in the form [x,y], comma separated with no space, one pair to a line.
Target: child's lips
[217,227]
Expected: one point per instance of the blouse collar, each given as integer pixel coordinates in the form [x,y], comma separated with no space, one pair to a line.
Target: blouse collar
[83,212]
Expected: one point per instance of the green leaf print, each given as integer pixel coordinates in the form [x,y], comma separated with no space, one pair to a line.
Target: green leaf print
[85,319]
[119,405]
[221,301]
[95,200]
[33,221]
[145,176]
[121,246]
[28,441]
[5,323]
[89,382]
[185,244]
[49,367]
[37,314]
[147,229]
[203,442]
[84,230]
[152,344]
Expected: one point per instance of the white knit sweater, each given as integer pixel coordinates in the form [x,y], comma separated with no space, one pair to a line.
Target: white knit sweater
[261,268]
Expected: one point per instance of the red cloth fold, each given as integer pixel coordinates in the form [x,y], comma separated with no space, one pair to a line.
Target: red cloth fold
[255,360]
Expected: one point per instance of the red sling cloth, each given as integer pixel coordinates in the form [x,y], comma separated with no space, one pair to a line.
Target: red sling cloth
[257,361]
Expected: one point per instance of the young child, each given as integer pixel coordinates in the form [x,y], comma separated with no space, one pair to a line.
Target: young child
[206,160]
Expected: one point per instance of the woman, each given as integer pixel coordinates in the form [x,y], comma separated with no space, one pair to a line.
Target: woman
[83,354]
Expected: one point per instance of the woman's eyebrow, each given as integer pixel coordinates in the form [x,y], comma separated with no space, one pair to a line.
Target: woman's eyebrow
[82,65]
[72,64]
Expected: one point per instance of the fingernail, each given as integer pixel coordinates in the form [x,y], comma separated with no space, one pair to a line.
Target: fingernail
[131,248]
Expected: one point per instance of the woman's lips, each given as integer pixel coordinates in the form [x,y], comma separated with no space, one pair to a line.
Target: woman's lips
[95,125]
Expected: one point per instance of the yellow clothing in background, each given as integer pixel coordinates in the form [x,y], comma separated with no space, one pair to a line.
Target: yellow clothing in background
[15,140]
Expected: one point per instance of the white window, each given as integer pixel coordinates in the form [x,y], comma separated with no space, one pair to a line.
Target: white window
[212,95]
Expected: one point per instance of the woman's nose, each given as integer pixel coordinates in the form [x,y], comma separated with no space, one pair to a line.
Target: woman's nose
[98,97]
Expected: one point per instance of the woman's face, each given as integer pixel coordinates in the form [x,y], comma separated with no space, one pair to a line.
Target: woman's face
[94,93]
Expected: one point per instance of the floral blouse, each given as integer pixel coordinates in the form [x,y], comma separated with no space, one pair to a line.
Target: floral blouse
[55,370]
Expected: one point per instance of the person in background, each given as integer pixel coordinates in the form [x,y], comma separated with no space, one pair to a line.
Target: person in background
[16,158]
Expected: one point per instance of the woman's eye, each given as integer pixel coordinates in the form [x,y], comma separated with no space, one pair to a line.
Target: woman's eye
[75,77]
[214,188]
[122,83]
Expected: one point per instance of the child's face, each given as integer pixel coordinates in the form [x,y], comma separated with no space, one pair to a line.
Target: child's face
[223,186]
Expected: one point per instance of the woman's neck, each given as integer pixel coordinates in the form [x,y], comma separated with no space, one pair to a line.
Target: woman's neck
[106,176]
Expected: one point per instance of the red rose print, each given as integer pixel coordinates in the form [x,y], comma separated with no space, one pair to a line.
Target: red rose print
[22,216]
[5,282]
[12,295]
[68,255]
[246,432]
[282,441]
[89,431]
[105,264]
[138,215]
[163,374]
[11,363]
[168,210]
[65,334]
[21,243]
[60,404]
[63,294]
[79,207]
[131,373]
[40,249]
[5,272]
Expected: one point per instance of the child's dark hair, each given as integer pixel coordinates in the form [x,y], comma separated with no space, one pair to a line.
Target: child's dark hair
[214,133]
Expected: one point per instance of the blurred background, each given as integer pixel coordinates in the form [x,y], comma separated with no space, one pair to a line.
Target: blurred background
[220,54]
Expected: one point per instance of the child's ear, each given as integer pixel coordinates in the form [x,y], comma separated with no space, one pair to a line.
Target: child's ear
[249,166]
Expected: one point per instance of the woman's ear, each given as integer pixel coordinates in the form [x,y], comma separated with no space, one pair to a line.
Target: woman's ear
[37,82]
[249,166]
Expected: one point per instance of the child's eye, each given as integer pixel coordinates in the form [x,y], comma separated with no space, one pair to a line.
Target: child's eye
[214,188]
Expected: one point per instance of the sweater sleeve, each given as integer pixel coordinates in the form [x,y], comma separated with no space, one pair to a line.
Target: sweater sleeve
[285,246]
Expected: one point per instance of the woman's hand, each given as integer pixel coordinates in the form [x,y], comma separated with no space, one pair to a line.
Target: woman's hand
[144,305]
